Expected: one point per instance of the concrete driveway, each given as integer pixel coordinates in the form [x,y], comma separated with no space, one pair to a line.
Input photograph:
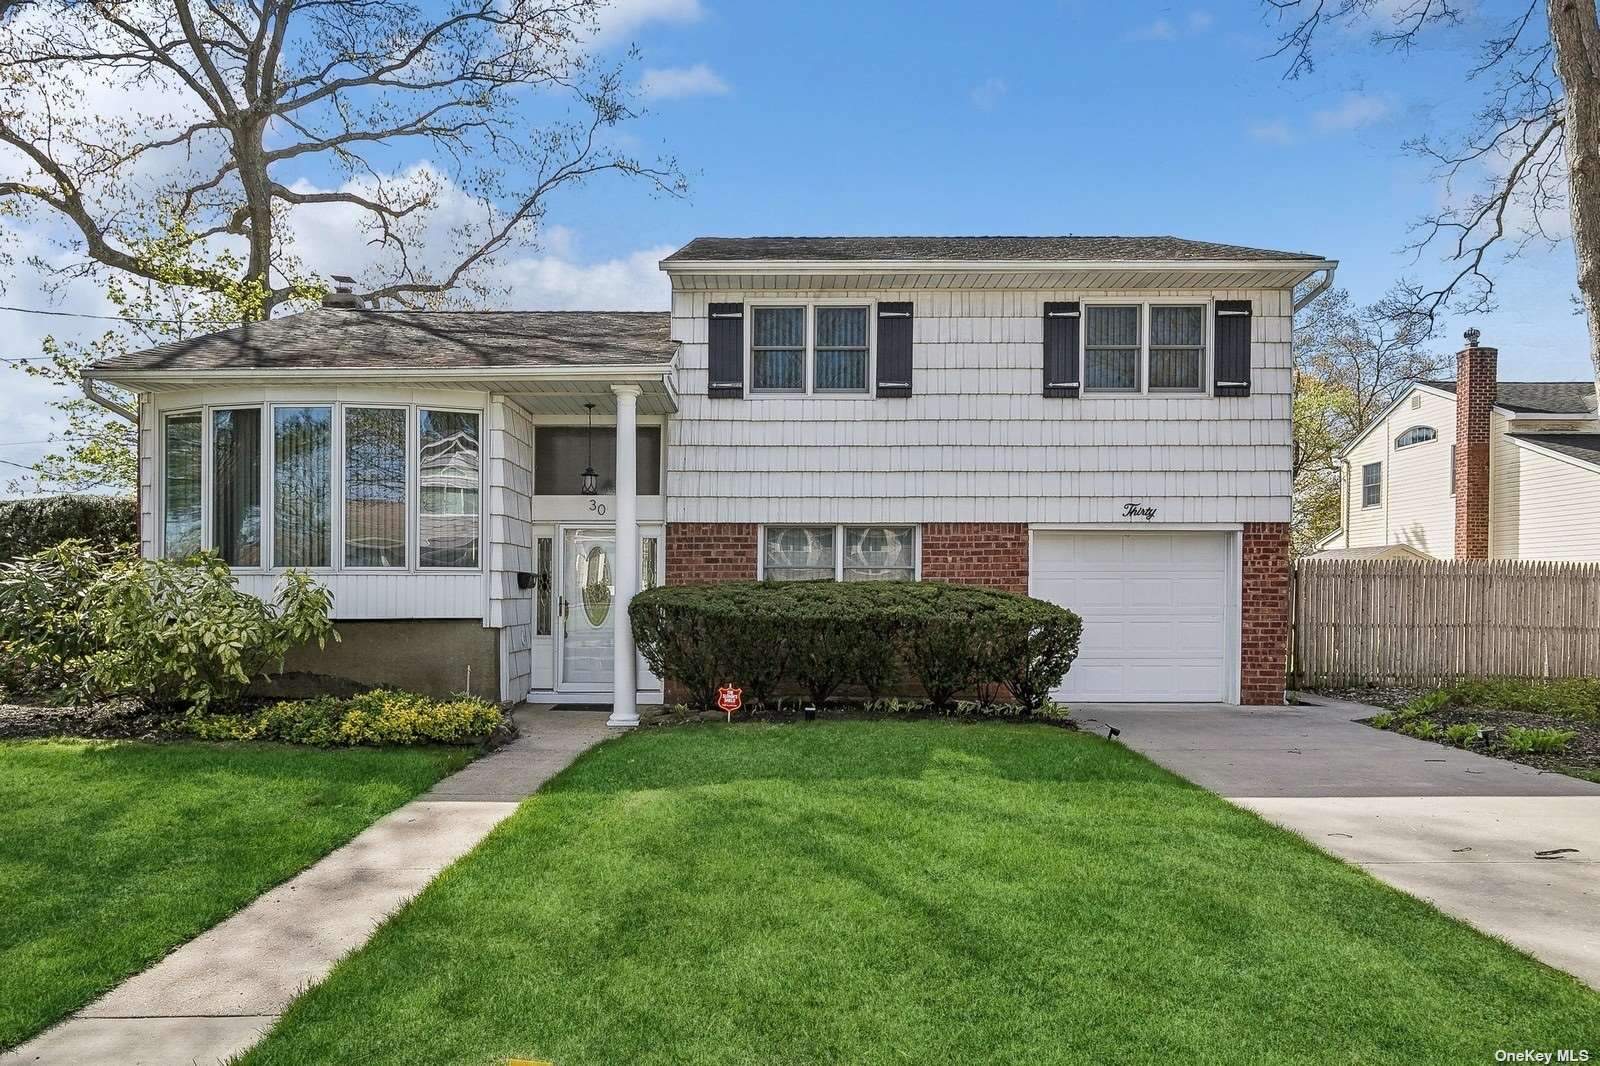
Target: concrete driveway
[1510,849]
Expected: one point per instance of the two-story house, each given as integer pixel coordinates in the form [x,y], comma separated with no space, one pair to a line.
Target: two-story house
[1475,468]
[1100,421]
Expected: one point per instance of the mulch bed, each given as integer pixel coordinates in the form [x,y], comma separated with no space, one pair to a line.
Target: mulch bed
[111,720]
[789,714]
[1581,758]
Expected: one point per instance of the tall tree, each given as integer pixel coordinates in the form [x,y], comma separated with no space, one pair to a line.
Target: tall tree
[1351,362]
[221,108]
[1532,151]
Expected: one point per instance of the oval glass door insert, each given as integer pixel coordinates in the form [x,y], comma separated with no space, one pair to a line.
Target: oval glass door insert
[597,586]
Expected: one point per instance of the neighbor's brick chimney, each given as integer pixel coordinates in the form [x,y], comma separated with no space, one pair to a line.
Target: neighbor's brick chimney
[1475,390]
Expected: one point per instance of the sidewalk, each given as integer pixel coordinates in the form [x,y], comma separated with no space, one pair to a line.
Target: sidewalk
[1511,850]
[215,996]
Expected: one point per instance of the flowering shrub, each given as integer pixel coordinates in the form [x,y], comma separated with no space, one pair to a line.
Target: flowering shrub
[372,718]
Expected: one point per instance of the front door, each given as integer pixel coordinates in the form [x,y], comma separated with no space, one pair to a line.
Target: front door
[588,588]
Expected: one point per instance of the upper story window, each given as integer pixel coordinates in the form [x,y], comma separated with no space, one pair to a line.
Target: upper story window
[824,348]
[1144,347]
[282,484]
[1415,435]
[1372,484]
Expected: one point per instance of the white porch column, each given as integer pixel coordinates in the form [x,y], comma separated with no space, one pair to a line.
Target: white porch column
[625,672]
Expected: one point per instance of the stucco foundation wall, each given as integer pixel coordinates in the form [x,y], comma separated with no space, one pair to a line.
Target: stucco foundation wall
[431,657]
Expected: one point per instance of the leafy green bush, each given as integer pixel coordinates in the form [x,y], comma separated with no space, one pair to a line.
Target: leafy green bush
[1463,733]
[1421,728]
[1525,741]
[1576,697]
[823,635]
[89,624]
[29,526]
[380,717]
[1428,703]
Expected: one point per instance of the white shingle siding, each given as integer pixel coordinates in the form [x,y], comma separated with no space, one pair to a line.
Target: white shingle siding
[977,441]
[1540,506]
[510,513]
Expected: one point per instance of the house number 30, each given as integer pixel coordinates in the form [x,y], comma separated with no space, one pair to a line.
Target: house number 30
[597,507]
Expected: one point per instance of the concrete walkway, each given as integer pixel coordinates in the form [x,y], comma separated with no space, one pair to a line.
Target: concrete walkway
[1482,839]
[215,996]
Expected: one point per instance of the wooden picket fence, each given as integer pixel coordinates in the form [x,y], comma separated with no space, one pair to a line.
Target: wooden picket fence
[1403,622]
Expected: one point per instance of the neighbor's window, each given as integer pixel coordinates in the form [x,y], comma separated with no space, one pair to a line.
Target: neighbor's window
[447,482]
[1372,484]
[1415,435]
[1111,348]
[778,349]
[880,553]
[181,485]
[560,454]
[236,485]
[841,349]
[800,553]
[1177,348]
[302,486]
[374,486]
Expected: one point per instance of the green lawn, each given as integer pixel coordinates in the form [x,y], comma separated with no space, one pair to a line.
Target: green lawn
[111,854]
[912,893]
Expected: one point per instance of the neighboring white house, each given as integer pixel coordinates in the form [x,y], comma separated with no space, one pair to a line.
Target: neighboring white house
[1530,490]
[1100,421]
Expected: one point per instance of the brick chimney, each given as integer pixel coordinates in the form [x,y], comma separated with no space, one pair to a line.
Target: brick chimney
[1475,392]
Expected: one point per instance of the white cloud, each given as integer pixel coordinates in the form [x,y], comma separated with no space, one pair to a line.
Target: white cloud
[1159,30]
[622,17]
[1353,112]
[1166,29]
[672,83]
[1200,21]
[1272,131]
[987,93]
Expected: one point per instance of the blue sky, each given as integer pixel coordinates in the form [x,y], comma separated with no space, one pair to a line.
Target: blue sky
[1047,117]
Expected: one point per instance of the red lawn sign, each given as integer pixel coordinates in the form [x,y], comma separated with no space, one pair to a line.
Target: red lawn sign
[729,699]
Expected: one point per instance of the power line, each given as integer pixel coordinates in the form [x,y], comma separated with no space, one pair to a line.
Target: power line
[102,318]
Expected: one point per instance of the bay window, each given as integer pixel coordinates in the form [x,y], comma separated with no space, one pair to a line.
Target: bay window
[180,484]
[848,553]
[350,486]
[236,485]
[375,486]
[447,484]
[302,486]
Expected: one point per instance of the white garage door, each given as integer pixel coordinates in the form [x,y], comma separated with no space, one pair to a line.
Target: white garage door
[1157,610]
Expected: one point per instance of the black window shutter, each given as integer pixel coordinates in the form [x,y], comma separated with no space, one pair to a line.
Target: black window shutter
[725,346]
[1061,350]
[1232,363]
[894,349]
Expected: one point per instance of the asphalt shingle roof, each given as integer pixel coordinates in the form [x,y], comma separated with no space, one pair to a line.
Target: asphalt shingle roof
[350,338]
[1538,397]
[1585,446]
[1043,249]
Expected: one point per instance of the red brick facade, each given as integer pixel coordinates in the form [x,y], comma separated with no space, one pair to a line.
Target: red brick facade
[1264,617]
[1476,371]
[699,553]
[977,553]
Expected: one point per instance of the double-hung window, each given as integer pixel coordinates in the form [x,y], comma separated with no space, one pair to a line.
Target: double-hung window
[819,350]
[1372,484]
[1144,347]
[447,483]
[848,553]
[181,491]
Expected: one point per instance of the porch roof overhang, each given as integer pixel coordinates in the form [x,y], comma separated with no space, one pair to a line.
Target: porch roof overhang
[994,274]
[541,390]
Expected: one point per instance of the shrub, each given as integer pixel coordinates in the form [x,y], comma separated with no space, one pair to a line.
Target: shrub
[1421,728]
[377,717]
[1525,741]
[1577,697]
[822,635]
[77,619]
[1463,733]
[30,526]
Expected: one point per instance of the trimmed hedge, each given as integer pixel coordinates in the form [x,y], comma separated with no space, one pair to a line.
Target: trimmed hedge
[29,526]
[821,636]
[380,717]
